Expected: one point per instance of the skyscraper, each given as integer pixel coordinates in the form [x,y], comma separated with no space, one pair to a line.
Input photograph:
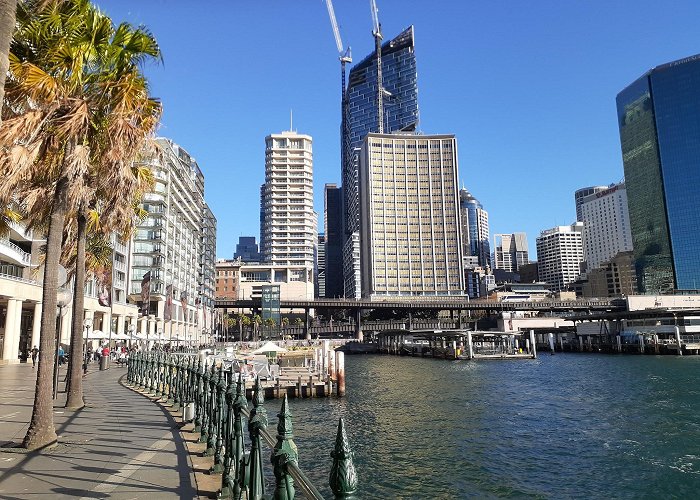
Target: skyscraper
[289,232]
[510,251]
[333,230]
[400,105]
[247,249]
[659,120]
[409,231]
[606,229]
[475,229]
[559,255]
[580,194]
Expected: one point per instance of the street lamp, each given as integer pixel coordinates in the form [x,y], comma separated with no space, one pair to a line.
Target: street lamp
[63,298]
[131,335]
[87,324]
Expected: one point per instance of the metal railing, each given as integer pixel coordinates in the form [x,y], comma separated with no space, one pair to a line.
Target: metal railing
[215,400]
[24,256]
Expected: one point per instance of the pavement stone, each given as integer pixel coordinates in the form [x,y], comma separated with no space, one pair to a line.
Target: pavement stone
[120,445]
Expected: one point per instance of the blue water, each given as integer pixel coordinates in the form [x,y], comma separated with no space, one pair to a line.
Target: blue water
[564,426]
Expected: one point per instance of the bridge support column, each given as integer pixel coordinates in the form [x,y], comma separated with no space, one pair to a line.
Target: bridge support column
[358,324]
[307,333]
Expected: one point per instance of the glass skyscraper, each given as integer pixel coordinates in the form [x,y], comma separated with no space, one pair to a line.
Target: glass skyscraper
[400,103]
[659,120]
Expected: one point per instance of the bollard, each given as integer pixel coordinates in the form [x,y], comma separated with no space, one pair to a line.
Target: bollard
[284,452]
[311,386]
[256,422]
[299,384]
[343,478]
[340,372]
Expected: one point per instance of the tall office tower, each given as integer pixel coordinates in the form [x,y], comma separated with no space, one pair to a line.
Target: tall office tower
[247,249]
[321,266]
[559,255]
[659,120]
[400,105]
[333,229]
[606,229]
[475,229]
[580,194]
[289,232]
[207,281]
[510,251]
[409,229]
[175,245]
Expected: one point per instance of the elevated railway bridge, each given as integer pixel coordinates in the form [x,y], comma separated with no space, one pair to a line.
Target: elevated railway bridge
[462,304]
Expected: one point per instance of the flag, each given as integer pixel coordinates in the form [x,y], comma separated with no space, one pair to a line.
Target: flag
[168,310]
[104,287]
[146,294]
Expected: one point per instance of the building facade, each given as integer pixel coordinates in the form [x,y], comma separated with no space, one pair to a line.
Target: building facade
[289,232]
[613,279]
[247,249]
[333,231]
[510,251]
[321,266]
[559,255]
[237,280]
[400,113]
[475,229]
[606,225]
[410,227]
[580,194]
[659,122]
[175,246]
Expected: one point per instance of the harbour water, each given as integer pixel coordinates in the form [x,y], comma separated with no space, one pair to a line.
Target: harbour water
[563,426]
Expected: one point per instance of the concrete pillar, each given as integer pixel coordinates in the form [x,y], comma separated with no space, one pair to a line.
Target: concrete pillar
[534,346]
[340,372]
[36,326]
[641,343]
[561,342]
[10,350]
[324,357]
[142,328]
[358,325]
[580,344]
[551,342]
[677,331]
[307,333]
[470,344]
[331,365]
[454,348]
[410,321]
[120,324]
[619,343]
[66,324]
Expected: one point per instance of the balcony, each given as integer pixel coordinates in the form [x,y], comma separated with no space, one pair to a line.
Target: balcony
[13,253]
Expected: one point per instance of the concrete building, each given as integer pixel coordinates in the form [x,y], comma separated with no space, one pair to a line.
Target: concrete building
[475,229]
[237,280]
[659,122]
[559,255]
[510,251]
[176,244]
[612,279]
[606,226]
[582,193]
[400,113]
[247,249]
[289,233]
[321,266]
[410,227]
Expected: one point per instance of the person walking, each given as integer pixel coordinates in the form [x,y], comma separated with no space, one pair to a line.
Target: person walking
[35,354]
[61,355]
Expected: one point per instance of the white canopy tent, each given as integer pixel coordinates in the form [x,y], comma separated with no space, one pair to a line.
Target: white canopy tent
[269,347]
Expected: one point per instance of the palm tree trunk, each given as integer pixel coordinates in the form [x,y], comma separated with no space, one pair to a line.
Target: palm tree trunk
[41,431]
[75,378]
[8,9]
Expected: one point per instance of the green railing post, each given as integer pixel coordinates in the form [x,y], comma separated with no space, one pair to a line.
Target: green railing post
[205,405]
[239,404]
[343,478]
[213,411]
[198,396]
[220,422]
[256,422]
[168,378]
[285,452]
[230,395]
[176,381]
[158,376]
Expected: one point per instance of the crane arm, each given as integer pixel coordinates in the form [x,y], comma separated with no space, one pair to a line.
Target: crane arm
[334,24]
[376,27]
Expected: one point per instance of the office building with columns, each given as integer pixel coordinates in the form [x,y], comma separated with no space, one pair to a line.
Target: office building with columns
[175,247]
[410,234]
[106,307]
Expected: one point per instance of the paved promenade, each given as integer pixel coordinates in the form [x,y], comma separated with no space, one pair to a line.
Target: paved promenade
[121,445]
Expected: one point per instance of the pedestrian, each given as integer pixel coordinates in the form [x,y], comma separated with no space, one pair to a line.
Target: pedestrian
[35,353]
[61,355]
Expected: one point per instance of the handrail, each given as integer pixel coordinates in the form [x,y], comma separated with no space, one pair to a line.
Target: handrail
[17,278]
[27,258]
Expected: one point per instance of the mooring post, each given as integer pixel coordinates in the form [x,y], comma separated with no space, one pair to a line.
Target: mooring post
[470,345]
[551,343]
[340,372]
[534,346]
[619,343]
[324,359]
[454,349]
[311,386]
[677,331]
[358,325]
[299,384]
[580,344]
[343,478]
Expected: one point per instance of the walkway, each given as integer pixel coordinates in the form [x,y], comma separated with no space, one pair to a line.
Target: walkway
[120,445]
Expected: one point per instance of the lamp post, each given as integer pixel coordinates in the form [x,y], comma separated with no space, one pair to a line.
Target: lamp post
[87,324]
[160,332]
[131,335]
[64,297]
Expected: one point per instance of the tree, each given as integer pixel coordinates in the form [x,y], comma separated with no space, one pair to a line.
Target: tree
[76,110]
[243,321]
[257,320]
[7,26]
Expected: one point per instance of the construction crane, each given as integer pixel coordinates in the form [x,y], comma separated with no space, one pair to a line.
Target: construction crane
[344,55]
[377,33]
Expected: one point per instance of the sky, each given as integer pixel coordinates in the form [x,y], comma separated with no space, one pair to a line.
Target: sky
[528,88]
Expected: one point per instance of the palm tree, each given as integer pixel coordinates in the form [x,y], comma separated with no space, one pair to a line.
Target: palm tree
[7,26]
[257,320]
[243,321]
[77,108]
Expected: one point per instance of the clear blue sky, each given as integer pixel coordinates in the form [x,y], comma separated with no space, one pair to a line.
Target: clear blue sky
[528,88]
